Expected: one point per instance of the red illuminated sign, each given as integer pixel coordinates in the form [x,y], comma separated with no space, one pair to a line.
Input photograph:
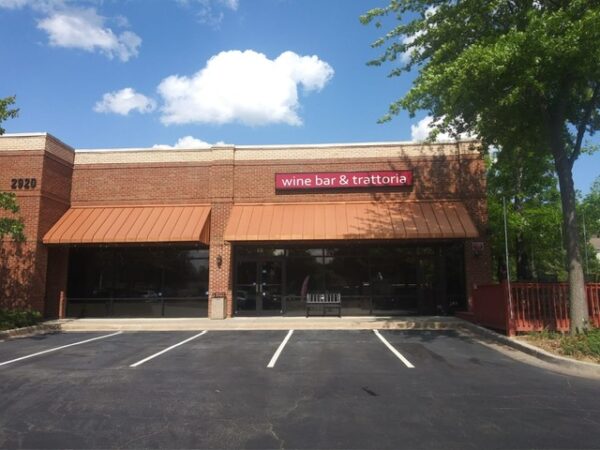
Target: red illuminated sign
[340,180]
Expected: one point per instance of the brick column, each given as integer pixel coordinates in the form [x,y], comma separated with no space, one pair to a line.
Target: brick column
[221,194]
[478,268]
[220,276]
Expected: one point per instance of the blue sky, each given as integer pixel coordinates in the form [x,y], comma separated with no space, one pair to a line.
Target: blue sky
[140,73]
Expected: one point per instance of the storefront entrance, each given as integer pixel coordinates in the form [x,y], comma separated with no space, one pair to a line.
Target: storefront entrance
[379,279]
[259,286]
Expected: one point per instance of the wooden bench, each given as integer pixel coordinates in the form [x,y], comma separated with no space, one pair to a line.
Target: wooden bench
[325,301]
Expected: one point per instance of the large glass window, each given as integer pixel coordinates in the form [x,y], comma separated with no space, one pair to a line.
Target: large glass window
[373,279]
[138,281]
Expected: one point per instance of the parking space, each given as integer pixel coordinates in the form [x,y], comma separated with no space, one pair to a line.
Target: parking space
[334,389]
[15,348]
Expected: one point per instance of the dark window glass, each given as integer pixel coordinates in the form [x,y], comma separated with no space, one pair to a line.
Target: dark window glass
[304,251]
[455,278]
[372,278]
[304,272]
[426,251]
[138,281]
[348,275]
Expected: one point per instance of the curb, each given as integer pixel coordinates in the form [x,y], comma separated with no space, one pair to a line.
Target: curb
[243,324]
[33,330]
[532,350]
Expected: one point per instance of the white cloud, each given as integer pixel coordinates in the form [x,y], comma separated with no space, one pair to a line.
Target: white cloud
[37,5]
[231,4]
[85,29]
[244,87]
[210,12]
[124,101]
[185,142]
[406,56]
[423,128]
[14,4]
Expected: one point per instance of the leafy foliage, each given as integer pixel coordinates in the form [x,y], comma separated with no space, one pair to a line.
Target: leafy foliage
[9,225]
[584,345]
[10,319]
[533,215]
[591,204]
[6,112]
[485,66]
[587,343]
[590,212]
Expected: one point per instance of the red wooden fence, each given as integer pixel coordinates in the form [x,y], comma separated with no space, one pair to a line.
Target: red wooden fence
[535,306]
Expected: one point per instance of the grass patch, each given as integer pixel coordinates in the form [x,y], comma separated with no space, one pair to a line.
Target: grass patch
[10,319]
[584,346]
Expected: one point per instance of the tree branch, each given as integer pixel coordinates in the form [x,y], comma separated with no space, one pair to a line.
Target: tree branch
[583,124]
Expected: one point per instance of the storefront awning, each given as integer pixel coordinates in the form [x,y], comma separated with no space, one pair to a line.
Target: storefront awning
[130,224]
[349,220]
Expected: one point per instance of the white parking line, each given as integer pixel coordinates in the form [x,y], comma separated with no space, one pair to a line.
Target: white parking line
[393,350]
[139,363]
[279,350]
[59,348]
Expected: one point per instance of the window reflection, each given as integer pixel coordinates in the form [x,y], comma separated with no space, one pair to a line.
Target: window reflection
[138,280]
[375,278]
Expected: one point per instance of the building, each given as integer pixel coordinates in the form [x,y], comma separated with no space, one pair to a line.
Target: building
[396,228]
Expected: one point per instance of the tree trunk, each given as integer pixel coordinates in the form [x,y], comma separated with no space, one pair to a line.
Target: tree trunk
[523,264]
[577,300]
[523,272]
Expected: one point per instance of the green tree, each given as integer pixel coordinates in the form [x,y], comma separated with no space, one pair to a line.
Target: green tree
[533,213]
[590,211]
[9,225]
[591,204]
[513,73]
[6,112]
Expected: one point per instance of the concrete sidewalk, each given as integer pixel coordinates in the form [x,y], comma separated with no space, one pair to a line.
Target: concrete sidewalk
[262,323]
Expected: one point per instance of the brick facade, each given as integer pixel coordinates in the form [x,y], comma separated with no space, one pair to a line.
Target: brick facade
[33,275]
[24,266]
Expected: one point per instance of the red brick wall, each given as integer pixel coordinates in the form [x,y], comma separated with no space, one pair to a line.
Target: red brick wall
[221,192]
[434,178]
[230,177]
[56,182]
[23,266]
[56,278]
[140,183]
[20,282]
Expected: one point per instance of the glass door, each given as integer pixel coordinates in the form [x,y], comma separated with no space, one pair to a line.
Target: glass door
[246,287]
[270,289]
[259,286]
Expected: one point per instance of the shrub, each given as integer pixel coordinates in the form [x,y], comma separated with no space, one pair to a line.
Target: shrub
[587,343]
[16,319]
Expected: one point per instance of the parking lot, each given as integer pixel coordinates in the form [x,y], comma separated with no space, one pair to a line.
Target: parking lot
[285,389]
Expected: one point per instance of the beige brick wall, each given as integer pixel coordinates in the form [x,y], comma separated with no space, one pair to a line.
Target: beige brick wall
[37,142]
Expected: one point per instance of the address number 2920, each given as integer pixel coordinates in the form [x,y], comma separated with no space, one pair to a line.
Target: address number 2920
[23,183]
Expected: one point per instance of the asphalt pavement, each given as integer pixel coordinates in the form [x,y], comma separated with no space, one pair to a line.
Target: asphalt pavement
[342,389]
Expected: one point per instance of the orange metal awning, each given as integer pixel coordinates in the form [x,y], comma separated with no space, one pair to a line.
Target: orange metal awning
[129,224]
[349,220]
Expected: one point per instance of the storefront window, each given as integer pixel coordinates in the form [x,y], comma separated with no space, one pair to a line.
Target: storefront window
[138,281]
[373,279]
